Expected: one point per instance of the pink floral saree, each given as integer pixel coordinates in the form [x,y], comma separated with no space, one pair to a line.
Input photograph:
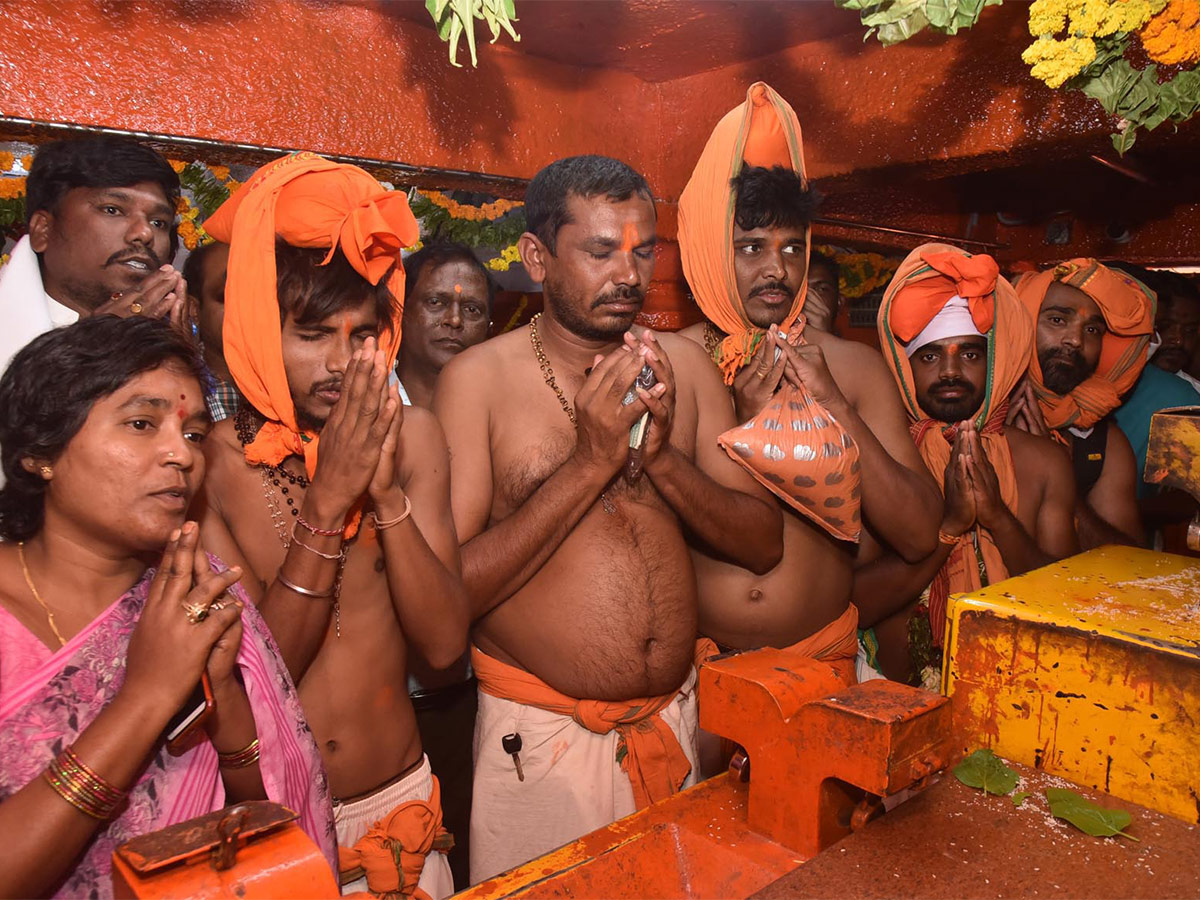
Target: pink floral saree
[48,698]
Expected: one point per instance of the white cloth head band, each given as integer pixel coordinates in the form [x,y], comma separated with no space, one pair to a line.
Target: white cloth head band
[953,321]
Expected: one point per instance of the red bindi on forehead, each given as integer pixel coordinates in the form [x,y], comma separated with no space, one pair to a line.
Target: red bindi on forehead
[458,289]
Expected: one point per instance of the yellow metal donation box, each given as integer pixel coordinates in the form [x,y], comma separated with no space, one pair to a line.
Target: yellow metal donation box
[1088,668]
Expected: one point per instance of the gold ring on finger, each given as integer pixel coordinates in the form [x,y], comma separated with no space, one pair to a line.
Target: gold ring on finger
[761,374]
[196,612]
[136,308]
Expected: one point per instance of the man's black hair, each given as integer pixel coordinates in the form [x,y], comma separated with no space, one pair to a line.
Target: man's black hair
[581,176]
[772,198]
[312,292]
[193,269]
[99,161]
[439,253]
[52,385]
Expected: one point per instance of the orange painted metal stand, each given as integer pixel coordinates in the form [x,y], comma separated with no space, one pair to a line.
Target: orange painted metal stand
[815,745]
[244,852]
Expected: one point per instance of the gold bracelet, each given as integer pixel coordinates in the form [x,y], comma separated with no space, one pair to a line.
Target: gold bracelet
[76,783]
[948,539]
[239,759]
[380,526]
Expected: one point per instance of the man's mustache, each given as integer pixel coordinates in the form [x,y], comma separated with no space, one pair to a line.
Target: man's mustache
[619,295]
[952,384]
[1071,359]
[334,384]
[772,286]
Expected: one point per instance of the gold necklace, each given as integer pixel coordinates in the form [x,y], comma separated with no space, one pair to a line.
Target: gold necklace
[548,376]
[38,597]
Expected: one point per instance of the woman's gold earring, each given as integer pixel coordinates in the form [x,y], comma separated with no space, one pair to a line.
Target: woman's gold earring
[47,472]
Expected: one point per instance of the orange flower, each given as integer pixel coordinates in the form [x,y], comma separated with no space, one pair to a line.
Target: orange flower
[12,188]
[27,161]
[219,172]
[487,212]
[178,165]
[1173,36]
[7,161]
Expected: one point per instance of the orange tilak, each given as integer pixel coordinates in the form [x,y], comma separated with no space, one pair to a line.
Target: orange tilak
[629,237]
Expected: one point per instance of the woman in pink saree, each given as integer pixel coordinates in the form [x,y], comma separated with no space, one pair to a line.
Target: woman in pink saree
[100,426]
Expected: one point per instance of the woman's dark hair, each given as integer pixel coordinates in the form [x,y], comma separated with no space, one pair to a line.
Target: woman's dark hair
[772,198]
[52,385]
[439,253]
[584,176]
[312,292]
[101,161]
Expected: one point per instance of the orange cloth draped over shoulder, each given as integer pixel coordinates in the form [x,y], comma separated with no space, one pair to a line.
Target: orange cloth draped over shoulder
[306,201]
[654,761]
[762,131]
[1128,308]
[835,644]
[929,277]
[413,826]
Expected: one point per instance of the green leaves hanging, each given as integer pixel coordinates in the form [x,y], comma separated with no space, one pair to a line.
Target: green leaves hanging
[455,19]
[1087,816]
[893,21]
[985,770]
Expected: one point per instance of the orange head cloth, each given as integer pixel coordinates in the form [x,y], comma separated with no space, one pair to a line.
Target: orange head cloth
[1128,308]
[925,281]
[306,201]
[762,131]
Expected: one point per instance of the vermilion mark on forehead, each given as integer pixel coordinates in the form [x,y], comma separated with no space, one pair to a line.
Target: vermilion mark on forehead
[458,289]
[629,237]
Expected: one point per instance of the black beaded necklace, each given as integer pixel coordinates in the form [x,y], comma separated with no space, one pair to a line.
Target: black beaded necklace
[247,424]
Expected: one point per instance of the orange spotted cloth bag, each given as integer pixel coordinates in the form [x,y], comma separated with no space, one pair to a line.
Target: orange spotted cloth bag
[799,452]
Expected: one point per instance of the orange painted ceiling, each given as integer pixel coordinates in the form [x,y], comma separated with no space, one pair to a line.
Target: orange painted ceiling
[659,40]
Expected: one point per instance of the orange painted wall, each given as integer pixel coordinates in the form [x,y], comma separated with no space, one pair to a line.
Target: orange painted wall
[346,78]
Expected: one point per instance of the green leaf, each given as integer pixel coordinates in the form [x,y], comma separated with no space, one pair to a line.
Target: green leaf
[1086,815]
[984,769]
[1123,140]
[1019,797]
[941,12]
[890,13]
[1111,86]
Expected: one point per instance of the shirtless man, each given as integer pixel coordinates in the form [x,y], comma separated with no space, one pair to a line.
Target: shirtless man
[581,586]
[804,602]
[343,596]
[1008,493]
[1093,331]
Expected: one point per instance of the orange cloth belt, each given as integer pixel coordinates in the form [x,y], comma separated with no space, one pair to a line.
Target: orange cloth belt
[653,759]
[392,853]
[836,644]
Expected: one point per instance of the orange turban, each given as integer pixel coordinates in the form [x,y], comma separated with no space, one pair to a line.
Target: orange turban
[306,201]
[927,279]
[762,131]
[1128,309]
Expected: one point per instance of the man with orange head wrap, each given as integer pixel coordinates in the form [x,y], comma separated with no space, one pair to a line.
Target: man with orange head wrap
[958,341]
[1094,326]
[336,497]
[821,414]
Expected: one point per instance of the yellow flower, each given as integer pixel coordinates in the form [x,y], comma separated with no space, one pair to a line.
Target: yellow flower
[178,165]
[1056,62]
[7,161]
[4,258]
[504,261]
[1047,16]
[219,172]
[232,185]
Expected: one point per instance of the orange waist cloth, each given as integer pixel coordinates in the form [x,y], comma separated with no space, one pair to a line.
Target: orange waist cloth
[653,759]
[392,853]
[835,644]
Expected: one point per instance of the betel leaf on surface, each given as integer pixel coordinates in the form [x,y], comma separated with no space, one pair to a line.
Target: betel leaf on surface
[985,770]
[1019,797]
[1086,815]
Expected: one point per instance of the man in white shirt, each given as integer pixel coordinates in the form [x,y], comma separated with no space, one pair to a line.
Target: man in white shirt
[101,217]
